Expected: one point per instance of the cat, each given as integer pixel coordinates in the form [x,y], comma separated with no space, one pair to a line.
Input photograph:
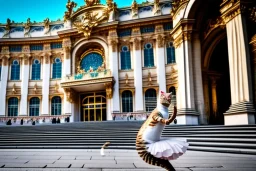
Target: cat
[150,146]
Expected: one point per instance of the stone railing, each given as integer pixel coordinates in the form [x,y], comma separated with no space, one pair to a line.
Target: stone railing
[89,75]
[132,116]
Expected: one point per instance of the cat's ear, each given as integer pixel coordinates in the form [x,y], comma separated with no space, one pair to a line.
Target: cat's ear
[162,92]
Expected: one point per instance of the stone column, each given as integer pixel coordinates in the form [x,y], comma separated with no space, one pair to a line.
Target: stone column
[114,67]
[206,96]
[197,75]
[4,78]
[241,110]
[253,42]
[214,95]
[66,70]
[46,79]
[24,77]
[139,105]
[160,58]
[186,100]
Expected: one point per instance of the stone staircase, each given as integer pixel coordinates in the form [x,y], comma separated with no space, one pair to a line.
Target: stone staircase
[92,135]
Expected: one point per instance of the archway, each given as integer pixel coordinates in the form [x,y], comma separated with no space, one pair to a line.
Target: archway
[219,83]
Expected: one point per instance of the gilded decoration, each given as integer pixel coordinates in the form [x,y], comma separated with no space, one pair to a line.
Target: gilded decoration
[70,5]
[14,89]
[4,61]
[253,14]
[135,9]
[136,31]
[109,89]
[7,28]
[137,44]
[47,58]
[126,80]
[127,89]
[46,26]
[112,33]
[26,49]
[93,15]
[26,59]
[149,78]
[159,28]
[47,47]
[213,24]
[176,5]
[66,44]
[27,28]
[35,88]
[70,94]
[160,41]
[32,96]
[113,44]
[147,88]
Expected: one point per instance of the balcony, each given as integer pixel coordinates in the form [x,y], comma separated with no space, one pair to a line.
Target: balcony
[88,81]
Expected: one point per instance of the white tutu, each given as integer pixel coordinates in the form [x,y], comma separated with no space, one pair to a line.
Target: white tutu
[168,149]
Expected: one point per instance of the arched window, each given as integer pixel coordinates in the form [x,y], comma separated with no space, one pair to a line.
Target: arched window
[56,105]
[148,55]
[56,68]
[36,70]
[127,102]
[13,106]
[150,100]
[125,58]
[34,106]
[15,70]
[170,53]
[172,90]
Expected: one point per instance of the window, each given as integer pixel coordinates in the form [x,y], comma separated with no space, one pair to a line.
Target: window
[56,105]
[168,26]
[170,53]
[126,32]
[15,70]
[150,100]
[36,47]
[13,106]
[16,48]
[56,68]
[56,45]
[34,106]
[147,29]
[127,102]
[125,58]
[148,55]
[36,70]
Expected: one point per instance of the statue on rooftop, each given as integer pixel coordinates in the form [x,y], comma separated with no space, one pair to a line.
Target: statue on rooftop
[134,8]
[70,5]
[112,10]
[7,28]
[46,26]
[91,2]
[157,10]
[27,28]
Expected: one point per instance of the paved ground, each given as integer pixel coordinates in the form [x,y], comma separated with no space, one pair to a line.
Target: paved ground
[118,160]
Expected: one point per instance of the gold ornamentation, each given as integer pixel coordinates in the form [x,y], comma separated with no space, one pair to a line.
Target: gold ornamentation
[160,41]
[109,89]
[14,89]
[91,2]
[89,20]
[212,24]
[47,58]
[159,28]
[27,28]
[70,93]
[26,59]
[176,5]
[113,44]
[35,88]
[137,44]
[126,80]
[69,6]
[112,33]
[46,26]
[134,8]
[66,44]
[7,28]
[56,87]
[149,78]
[253,14]
[47,47]
[26,49]
[4,61]
[136,31]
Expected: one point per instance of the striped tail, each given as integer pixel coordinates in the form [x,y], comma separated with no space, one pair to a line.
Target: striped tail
[149,158]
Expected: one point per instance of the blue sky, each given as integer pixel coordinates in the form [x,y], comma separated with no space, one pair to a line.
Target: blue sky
[38,10]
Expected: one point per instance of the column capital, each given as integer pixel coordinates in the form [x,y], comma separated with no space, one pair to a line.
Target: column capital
[113,43]
[160,39]
[137,43]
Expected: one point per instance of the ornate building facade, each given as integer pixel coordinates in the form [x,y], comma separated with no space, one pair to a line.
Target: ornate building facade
[103,63]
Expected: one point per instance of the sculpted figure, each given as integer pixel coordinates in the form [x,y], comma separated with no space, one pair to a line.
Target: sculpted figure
[91,2]
[134,8]
[46,26]
[70,5]
[27,28]
[157,9]
[151,147]
[7,28]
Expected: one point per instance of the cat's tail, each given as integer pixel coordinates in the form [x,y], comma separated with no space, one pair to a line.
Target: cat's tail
[149,158]
[103,147]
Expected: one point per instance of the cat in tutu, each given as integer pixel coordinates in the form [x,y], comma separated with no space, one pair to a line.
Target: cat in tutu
[151,147]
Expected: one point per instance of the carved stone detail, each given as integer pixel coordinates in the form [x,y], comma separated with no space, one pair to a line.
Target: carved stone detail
[113,44]
[109,89]
[160,41]
[137,44]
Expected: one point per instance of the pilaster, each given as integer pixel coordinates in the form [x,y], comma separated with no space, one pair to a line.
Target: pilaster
[24,81]
[46,79]
[67,56]
[186,99]
[114,67]
[139,100]
[5,54]
[241,110]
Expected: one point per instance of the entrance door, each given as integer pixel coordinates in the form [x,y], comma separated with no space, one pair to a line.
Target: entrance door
[94,107]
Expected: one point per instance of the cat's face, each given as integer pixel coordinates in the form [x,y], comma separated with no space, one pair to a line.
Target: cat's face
[165,99]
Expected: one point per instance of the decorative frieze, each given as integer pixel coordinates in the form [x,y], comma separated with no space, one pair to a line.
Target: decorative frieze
[136,31]
[160,41]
